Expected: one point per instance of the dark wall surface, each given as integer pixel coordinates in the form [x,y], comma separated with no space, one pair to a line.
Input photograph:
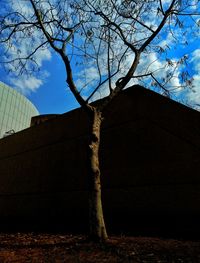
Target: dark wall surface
[150,160]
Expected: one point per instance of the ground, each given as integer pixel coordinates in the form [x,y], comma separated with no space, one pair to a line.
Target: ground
[59,248]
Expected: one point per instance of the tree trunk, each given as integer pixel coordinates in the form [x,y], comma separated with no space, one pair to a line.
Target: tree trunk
[97,225]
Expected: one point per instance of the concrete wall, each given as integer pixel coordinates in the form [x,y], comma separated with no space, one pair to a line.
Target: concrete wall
[150,159]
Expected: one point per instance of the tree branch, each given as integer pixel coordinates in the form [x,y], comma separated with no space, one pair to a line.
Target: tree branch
[27,57]
[39,18]
[112,75]
[156,32]
[131,17]
[66,61]
[108,62]
[111,23]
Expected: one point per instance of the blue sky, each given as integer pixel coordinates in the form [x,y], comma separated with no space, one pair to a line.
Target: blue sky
[48,91]
[52,96]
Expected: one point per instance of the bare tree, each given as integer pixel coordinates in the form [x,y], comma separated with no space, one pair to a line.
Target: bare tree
[110,43]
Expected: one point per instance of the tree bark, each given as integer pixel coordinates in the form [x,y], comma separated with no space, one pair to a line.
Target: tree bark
[97,224]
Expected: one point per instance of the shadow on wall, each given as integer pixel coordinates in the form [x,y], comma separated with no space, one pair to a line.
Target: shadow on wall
[150,158]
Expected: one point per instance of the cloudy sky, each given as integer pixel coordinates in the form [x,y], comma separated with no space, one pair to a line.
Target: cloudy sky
[48,90]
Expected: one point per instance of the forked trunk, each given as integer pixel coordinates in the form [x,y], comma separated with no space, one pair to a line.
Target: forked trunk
[97,225]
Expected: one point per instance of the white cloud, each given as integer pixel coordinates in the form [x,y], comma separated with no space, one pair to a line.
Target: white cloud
[167,42]
[193,96]
[166,2]
[196,59]
[43,55]
[20,6]
[22,46]
[194,5]
[27,84]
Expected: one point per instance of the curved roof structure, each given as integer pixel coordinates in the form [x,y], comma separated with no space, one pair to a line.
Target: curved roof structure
[15,111]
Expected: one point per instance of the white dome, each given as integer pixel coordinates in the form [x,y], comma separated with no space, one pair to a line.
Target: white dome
[15,111]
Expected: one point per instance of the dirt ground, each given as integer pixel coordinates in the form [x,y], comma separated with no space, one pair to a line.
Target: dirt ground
[58,248]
